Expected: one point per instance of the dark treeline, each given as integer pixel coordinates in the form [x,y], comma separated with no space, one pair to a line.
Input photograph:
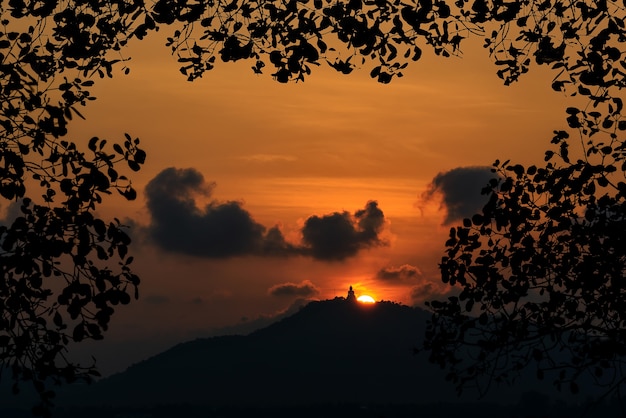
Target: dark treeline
[531,407]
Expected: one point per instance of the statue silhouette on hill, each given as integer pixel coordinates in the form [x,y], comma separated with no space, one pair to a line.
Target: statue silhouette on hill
[351,297]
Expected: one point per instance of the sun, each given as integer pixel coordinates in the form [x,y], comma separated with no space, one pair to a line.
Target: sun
[366,299]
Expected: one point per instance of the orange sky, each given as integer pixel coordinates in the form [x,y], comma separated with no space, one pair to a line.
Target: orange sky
[287,152]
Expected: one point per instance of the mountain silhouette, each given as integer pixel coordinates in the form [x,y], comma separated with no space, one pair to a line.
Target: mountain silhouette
[329,351]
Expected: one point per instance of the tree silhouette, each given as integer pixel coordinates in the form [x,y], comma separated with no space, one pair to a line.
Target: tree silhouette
[540,272]
[59,280]
[542,260]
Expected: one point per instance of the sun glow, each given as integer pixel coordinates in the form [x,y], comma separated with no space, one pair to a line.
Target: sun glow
[366,299]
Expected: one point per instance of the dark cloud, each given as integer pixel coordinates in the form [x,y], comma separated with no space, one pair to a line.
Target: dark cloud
[460,189]
[423,291]
[218,230]
[304,289]
[341,235]
[225,229]
[401,273]
[274,244]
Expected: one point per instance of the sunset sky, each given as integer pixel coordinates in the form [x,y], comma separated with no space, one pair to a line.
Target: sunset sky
[257,194]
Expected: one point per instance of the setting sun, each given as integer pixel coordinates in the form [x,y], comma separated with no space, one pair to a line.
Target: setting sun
[366,299]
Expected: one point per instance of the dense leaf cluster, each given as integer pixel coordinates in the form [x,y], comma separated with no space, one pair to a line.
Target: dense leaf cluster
[62,268]
[541,272]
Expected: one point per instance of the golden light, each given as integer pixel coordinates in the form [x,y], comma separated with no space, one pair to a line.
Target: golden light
[366,299]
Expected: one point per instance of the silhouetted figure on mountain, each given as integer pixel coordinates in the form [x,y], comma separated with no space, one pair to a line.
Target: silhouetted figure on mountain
[351,297]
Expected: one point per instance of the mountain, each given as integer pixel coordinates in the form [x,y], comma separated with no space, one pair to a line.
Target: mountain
[334,352]
[329,351]
[333,358]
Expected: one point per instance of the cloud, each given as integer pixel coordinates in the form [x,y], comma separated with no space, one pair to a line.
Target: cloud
[303,289]
[219,230]
[225,229]
[424,291]
[274,244]
[460,189]
[397,274]
[341,235]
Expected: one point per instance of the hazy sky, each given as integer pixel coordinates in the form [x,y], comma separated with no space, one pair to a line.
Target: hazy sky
[257,194]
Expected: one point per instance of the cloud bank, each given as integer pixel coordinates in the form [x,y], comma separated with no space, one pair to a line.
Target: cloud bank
[424,291]
[216,231]
[460,190]
[398,274]
[304,289]
[341,235]
[226,229]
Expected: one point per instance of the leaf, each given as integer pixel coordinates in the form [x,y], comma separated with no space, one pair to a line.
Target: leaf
[140,156]
[92,143]
[133,165]
[129,193]
[79,332]
[57,319]
[122,250]
[417,53]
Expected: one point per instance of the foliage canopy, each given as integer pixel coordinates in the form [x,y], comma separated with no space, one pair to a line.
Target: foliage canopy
[544,259]
[541,271]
